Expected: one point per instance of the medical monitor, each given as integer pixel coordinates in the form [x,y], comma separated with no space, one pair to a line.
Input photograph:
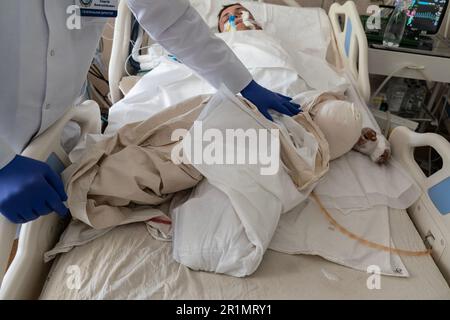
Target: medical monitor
[426,16]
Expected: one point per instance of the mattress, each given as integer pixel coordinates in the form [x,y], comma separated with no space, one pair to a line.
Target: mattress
[128,263]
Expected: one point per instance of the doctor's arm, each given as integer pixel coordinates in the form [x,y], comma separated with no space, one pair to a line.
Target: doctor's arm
[180,30]
[28,188]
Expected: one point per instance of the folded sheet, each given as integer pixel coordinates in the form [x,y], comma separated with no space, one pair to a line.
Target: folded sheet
[234,238]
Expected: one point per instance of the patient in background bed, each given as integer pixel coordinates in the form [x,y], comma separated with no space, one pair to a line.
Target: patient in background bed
[235,17]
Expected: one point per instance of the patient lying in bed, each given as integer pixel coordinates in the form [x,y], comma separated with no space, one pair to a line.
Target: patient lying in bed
[235,17]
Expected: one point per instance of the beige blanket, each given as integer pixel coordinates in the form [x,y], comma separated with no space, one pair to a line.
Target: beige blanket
[130,177]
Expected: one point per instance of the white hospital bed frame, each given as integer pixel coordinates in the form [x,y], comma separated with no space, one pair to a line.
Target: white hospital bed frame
[26,275]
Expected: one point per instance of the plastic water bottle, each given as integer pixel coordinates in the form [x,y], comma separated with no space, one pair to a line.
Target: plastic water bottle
[395,28]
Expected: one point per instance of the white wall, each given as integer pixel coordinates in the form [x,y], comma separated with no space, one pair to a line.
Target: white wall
[361,4]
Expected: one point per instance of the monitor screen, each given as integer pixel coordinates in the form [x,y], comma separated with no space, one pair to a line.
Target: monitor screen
[426,15]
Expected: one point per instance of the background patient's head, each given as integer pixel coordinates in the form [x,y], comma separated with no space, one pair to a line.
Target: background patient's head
[239,11]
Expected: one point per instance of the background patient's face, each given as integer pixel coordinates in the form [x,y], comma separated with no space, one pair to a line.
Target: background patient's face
[236,11]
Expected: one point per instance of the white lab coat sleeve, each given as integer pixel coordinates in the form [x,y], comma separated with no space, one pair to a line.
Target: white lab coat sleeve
[181,30]
[7,154]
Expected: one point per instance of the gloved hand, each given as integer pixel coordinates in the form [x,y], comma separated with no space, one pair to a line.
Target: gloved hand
[265,99]
[30,189]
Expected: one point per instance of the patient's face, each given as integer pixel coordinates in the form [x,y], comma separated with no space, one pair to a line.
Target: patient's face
[238,11]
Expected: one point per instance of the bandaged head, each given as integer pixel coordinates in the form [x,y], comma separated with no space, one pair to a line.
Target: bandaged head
[341,123]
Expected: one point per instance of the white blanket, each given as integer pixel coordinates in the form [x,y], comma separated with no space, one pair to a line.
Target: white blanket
[226,225]
[228,221]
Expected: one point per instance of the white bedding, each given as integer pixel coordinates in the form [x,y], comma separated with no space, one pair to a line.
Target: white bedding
[293,73]
[229,220]
[128,263]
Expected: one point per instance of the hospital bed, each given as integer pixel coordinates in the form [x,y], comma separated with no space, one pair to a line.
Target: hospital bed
[127,262]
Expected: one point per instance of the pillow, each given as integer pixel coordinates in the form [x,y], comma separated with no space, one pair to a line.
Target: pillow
[301,29]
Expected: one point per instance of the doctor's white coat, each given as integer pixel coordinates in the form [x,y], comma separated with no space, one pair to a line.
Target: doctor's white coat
[44,64]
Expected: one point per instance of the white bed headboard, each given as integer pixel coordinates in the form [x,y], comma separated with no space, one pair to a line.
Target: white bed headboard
[352,44]
[119,52]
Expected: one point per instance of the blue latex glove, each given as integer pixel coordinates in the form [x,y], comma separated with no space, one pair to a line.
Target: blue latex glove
[265,99]
[30,189]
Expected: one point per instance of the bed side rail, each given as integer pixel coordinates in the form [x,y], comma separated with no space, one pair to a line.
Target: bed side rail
[26,274]
[352,43]
[119,51]
[431,213]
